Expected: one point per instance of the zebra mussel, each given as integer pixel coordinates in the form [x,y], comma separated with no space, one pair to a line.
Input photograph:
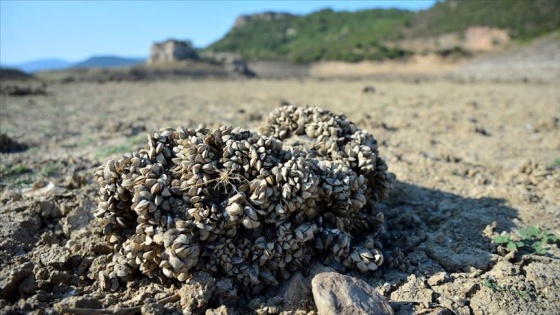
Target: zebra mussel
[253,207]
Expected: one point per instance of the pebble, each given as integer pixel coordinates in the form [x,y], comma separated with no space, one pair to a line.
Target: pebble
[339,294]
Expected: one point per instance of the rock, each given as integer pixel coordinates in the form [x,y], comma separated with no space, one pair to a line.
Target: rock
[152,309]
[438,278]
[7,145]
[339,294]
[232,63]
[294,291]
[222,310]
[369,89]
[10,276]
[50,210]
[238,66]
[196,293]
[171,51]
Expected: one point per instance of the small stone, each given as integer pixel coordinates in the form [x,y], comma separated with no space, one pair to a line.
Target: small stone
[222,310]
[7,144]
[369,89]
[294,291]
[152,309]
[196,293]
[438,278]
[339,294]
[49,209]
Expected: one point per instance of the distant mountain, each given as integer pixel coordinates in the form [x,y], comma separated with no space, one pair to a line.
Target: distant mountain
[108,62]
[43,64]
[92,62]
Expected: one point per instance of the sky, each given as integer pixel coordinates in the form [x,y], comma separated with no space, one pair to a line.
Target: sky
[76,30]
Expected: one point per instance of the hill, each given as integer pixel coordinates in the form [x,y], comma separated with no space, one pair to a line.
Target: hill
[367,34]
[524,19]
[42,64]
[321,35]
[14,74]
[108,62]
[92,62]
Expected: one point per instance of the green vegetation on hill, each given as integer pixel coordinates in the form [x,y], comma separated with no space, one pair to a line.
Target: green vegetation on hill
[321,35]
[525,19]
[361,35]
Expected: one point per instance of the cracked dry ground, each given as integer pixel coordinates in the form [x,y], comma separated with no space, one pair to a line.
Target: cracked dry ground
[472,160]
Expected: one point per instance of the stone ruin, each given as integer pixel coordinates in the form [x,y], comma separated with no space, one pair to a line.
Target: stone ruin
[171,51]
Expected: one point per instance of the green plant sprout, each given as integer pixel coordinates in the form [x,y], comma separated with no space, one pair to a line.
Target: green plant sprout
[531,238]
[556,163]
[495,287]
[6,170]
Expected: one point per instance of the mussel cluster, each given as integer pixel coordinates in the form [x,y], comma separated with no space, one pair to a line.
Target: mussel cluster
[254,207]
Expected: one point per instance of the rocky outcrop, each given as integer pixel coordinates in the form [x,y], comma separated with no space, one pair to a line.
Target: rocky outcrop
[171,51]
[265,16]
[231,62]
[175,51]
[474,39]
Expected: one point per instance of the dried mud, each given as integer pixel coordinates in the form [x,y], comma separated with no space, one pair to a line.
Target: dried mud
[472,160]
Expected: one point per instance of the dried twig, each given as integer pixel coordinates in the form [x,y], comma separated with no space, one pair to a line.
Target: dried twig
[116,310]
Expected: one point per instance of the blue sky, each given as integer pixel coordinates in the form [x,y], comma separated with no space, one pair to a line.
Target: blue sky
[75,30]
